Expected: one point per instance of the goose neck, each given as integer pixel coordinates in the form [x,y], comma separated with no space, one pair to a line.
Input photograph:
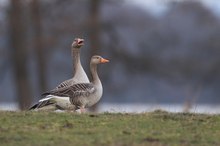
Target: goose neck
[76,59]
[95,77]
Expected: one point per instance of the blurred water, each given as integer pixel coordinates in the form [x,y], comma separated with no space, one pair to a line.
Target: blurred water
[139,108]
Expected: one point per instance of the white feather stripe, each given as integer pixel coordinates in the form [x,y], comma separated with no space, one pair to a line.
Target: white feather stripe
[52,97]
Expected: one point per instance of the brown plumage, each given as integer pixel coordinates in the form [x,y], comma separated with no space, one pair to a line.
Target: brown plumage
[79,76]
[80,95]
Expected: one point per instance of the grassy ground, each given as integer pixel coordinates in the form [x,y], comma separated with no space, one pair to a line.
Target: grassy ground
[67,129]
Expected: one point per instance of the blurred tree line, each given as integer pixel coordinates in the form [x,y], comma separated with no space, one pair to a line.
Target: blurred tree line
[169,58]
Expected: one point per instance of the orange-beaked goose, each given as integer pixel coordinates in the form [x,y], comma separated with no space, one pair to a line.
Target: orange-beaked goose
[81,95]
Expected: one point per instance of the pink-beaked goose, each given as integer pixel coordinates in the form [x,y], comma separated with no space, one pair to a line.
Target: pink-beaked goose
[81,95]
[79,76]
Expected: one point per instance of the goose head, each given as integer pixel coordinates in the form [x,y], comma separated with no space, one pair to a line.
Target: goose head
[98,59]
[77,43]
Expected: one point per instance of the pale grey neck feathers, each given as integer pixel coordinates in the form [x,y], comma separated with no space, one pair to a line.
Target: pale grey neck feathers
[76,59]
[95,77]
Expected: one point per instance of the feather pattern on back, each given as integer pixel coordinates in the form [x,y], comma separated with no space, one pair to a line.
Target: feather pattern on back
[76,90]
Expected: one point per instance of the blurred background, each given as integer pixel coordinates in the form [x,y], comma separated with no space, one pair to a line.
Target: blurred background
[163,53]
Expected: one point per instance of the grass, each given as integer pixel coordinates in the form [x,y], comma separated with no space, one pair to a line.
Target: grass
[68,129]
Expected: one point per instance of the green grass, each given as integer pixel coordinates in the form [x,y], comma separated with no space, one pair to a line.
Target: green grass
[68,129]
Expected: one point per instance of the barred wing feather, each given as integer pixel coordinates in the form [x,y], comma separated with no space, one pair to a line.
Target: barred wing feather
[76,90]
[65,84]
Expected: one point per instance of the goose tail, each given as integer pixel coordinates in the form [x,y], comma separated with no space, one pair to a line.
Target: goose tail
[44,104]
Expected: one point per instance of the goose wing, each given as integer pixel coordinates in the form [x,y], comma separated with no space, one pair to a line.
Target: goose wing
[76,90]
[65,84]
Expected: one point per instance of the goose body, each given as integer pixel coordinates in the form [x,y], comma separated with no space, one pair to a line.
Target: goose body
[79,76]
[76,96]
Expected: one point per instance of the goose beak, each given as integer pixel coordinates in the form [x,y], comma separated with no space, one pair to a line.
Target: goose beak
[80,41]
[77,43]
[104,60]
